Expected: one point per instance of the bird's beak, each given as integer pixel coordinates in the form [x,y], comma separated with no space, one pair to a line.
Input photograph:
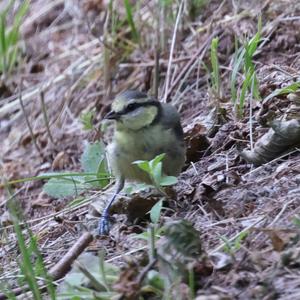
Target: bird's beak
[112,115]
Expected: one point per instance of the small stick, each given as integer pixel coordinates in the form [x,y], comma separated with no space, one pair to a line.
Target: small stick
[64,265]
[44,110]
[171,52]
[28,123]
[185,69]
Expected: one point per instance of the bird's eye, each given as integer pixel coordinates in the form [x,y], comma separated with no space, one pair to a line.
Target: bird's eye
[131,107]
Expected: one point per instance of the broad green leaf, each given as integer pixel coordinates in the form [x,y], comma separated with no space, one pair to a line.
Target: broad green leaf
[156,160]
[62,187]
[103,168]
[168,180]
[93,160]
[155,279]
[143,164]
[92,157]
[156,172]
[155,212]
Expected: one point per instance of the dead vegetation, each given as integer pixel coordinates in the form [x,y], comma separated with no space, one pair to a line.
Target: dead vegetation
[78,55]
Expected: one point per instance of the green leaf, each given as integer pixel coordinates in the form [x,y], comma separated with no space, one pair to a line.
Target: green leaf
[2,44]
[92,157]
[156,280]
[143,164]
[155,212]
[21,13]
[87,120]
[168,180]
[26,266]
[292,88]
[156,173]
[245,86]
[12,58]
[133,187]
[156,160]
[93,160]
[239,239]
[237,65]
[296,221]
[130,20]
[2,35]
[63,187]
[9,36]
[215,65]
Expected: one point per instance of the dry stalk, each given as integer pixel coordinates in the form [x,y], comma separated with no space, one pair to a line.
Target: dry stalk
[172,51]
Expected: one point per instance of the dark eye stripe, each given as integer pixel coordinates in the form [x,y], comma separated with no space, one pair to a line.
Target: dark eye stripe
[133,106]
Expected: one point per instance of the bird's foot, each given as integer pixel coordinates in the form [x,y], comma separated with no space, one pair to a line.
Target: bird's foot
[104,226]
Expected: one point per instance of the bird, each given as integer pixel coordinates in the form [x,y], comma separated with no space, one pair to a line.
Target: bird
[144,128]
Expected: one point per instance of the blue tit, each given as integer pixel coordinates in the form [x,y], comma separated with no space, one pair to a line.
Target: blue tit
[144,128]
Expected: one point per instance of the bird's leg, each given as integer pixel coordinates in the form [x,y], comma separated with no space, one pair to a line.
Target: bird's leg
[103,227]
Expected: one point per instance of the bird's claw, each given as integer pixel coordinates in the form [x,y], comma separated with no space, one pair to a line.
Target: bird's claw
[104,226]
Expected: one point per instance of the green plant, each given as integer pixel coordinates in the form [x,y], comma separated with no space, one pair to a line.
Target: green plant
[292,88]
[129,14]
[154,170]
[243,60]
[90,278]
[232,246]
[95,174]
[31,262]
[87,120]
[215,74]
[9,36]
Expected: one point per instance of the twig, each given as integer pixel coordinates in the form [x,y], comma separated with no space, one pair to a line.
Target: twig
[260,219]
[28,123]
[191,62]
[171,52]
[157,56]
[270,162]
[44,110]
[106,58]
[145,271]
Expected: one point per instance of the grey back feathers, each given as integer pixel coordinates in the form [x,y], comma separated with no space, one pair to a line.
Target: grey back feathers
[170,118]
[131,94]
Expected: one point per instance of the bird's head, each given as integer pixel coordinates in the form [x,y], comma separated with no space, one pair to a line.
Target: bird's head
[134,110]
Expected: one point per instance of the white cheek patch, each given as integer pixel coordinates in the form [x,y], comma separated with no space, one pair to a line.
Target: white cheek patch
[136,113]
[140,117]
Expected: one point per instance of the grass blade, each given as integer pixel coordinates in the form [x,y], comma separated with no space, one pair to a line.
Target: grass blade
[216,82]
[130,20]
